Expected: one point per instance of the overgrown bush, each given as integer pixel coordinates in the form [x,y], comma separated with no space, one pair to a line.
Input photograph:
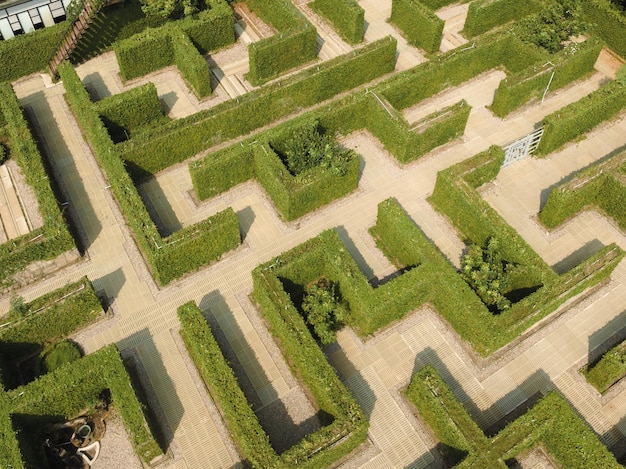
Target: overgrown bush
[57,355]
[346,16]
[607,22]
[421,27]
[323,310]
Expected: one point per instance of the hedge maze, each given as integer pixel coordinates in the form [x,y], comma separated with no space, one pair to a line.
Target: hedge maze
[288,135]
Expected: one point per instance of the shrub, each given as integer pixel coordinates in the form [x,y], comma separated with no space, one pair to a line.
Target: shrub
[323,310]
[193,67]
[421,27]
[346,16]
[484,15]
[608,370]
[59,354]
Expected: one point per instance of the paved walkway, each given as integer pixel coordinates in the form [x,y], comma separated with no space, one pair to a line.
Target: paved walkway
[145,317]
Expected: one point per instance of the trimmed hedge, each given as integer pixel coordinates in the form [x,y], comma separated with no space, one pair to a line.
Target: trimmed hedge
[484,15]
[551,421]
[307,361]
[455,67]
[52,316]
[574,62]
[608,23]
[418,24]
[600,187]
[608,370]
[124,112]
[53,238]
[346,16]
[581,116]
[29,53]
[66,392]
[160,147]
[184,251]
[179,43]
[437,4]
[294,45]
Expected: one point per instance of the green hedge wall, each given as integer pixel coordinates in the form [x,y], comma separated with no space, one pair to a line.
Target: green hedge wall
[124,112]
[67,391]
[191,64]
[294,45]
[437,4]
[346,16]
[52,316]
[608,370]
[29,53]
[608,23]
[551,422]
[451,69]
[574,62]
[179,140]
[182,252]
[581,116]
[53,238]
[599,186]
[419,25]
[484,15]
[224,388]
[144,53]
[307,361]
[211,29]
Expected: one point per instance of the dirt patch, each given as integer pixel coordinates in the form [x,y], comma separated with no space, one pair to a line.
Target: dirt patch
[26,194]
[116,452]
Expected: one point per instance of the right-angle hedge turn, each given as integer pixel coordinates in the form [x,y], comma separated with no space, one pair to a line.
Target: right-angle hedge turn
[320,449]
[551,422]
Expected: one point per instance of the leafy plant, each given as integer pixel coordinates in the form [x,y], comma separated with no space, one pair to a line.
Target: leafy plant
[554,25]
[486,272]
[323,310]
[310,146]
[18,307]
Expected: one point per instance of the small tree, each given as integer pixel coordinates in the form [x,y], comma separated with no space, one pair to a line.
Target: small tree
[18,308]
[324,311]
[486,272]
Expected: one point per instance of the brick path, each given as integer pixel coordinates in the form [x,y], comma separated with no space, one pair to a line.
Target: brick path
[145,318]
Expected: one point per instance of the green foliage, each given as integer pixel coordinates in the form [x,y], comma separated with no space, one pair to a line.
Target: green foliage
[179,43]
[486,272]
[294,45]
[581,116]
[553,25]
[323,310]
[124,112]
[484,15]
[182,252]
[607,22]
[319,449]
[18,308]
[29,53]
[53,238]
[59,354]
[419,25]
[621,75]
[600,187]
[572,63]
[179,140]
[170,8]
[437,4]
[67,391]
[551,422]
[346,16]
[609,369]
